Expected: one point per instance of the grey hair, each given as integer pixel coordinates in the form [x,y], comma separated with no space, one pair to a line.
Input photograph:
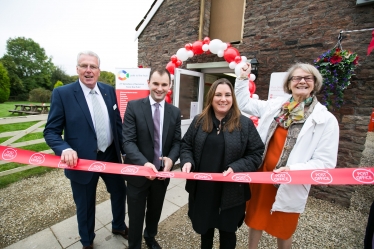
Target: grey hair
[88,53]
[307,68]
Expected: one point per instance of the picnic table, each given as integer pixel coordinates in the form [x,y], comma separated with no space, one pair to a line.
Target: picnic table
[30,109]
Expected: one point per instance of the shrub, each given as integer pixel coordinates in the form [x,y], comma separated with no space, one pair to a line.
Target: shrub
[40,95]
[58,84]
[4,84]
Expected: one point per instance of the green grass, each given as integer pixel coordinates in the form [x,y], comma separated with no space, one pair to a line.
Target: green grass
[16,126]
[3,139]
[15,177]
[36,147]
[8,166]
[30,136]
[6,106]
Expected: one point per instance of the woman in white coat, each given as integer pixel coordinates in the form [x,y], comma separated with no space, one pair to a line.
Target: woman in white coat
[299,133]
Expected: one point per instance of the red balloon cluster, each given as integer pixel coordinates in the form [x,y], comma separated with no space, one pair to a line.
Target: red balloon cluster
[216,46]
[168,97]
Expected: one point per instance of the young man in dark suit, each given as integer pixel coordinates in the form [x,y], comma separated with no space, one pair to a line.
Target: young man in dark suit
[86,112]
[151,138]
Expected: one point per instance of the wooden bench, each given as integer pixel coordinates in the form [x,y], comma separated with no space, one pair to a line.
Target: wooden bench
[16,111]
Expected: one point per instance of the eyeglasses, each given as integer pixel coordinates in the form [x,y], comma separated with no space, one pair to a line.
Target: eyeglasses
[308,78]
[85,66]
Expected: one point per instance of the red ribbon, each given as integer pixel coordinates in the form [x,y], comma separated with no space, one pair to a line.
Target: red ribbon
[319,176]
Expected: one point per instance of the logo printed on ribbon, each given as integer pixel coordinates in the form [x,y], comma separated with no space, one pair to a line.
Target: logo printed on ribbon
[165,174]
[321,176]
[36,159]
[97,166]
[62,165]
[363,175]
[129,170]
[241,178]
[9,154]
[281,177]
[202,176]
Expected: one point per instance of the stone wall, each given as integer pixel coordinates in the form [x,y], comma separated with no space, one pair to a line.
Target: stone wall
[279,33]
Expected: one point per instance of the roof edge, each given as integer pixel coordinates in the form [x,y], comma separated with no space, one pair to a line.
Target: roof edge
[148,18]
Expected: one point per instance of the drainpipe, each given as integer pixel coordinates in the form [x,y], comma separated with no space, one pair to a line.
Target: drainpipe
[201,26]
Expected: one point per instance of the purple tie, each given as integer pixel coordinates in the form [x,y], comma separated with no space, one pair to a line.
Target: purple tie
[156,135]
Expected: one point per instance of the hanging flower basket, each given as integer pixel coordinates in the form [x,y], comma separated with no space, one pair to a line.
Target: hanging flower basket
[337,67]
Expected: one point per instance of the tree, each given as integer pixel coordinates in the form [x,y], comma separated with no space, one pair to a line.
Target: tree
[16,86]
[108,78]
[59,74]
[58,84]
[34,67]
[4,84]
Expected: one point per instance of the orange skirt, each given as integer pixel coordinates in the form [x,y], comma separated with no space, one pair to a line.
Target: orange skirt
[278,224]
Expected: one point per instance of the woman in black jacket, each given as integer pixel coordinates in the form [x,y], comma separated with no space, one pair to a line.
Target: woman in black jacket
[220,139]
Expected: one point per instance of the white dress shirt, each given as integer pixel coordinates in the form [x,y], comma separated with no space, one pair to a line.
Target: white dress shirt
[86,92]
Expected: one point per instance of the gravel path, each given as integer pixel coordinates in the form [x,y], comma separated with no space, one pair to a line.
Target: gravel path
[34,204]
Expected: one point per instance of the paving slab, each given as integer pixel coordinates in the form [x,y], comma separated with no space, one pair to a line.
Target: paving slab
[41,240]
[177,196]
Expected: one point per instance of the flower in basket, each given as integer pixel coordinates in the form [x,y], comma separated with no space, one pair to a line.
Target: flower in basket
[337,67]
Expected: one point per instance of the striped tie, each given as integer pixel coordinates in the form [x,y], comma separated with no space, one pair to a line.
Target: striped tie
[156,135]
[102,141]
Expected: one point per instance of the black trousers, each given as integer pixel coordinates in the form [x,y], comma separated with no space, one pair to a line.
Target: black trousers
[227,240]
[145,202]
[368,241]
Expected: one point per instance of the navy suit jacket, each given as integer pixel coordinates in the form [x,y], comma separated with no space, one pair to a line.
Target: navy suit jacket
[69,114]
[138,139]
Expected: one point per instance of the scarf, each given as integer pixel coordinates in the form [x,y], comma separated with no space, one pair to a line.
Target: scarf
[292,111]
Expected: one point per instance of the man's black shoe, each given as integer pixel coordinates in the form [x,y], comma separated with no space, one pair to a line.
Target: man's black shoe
[152,243]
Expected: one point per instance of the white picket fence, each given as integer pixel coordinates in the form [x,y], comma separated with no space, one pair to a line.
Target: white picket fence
[15,135]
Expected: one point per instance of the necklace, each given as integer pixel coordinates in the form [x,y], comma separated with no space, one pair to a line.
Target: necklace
[219,129]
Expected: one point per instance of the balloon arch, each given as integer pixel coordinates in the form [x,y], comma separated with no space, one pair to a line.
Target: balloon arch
[207,46]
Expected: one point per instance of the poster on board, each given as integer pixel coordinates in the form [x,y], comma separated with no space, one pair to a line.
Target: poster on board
[276,85]
[131,83]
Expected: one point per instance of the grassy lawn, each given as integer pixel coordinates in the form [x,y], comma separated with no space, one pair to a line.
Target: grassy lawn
[15,177]
[8,179]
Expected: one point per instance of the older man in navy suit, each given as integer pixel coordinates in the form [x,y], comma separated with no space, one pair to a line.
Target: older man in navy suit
[86,111]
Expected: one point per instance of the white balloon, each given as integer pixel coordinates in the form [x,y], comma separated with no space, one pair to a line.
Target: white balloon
[220,53]
[223,46]
[172,78]
[214,46]
[232,65]
[182,54]
[238,68]
[255,96]
[244,59]
[252,77]
[205,47]
[190,53]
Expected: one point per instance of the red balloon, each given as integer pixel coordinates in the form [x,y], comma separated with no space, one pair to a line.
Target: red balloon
[230,54]
[170,67]
[174,58]
[252,87]
[170,92]
[206,40]
[238,59]
[254,120]
[197,47]
[178,63]
[168,99]
[228,45]
[188,46]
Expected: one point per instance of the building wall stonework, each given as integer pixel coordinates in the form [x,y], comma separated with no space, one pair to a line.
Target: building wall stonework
[279,33]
